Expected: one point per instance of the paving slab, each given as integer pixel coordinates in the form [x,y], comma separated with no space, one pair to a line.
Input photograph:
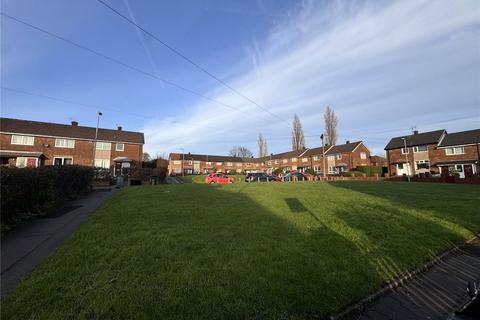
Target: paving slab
[433,294]
[29,245]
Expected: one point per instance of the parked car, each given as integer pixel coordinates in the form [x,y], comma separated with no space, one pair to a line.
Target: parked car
[260,177]
[219,178]
[300,176]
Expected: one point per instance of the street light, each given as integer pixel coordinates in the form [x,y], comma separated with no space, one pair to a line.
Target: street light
[96,136]
[323,156]
[183,159]
[406,158]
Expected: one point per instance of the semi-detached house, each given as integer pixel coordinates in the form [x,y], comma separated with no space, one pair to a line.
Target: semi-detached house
[32,143]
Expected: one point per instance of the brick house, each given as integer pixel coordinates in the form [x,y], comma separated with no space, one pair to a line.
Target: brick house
[418,153]
[201,164]
[346,157]
[315,158]
[287,161]
[458,152]
[26,143]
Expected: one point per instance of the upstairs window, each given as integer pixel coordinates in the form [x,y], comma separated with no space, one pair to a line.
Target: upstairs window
[304,159]
[331,158]
[316,157]
[64,143]
[285,160]
[405,151]
[209,163]
[294,159]
[177,162]
[363,155]
[103,146]
[219,163]
[23,140]
[339,156]
[120,147]
[420,149]
[454,151]
[229,164]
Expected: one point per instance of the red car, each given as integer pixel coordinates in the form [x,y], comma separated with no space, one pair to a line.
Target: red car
[218,178]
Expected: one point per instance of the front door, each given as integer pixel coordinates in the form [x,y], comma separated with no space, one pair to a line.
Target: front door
[31,162]
[468,170]
[118,169]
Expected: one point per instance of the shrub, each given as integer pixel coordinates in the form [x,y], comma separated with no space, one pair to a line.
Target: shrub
[310,171]
[370,170]
[277,171]
[32,191]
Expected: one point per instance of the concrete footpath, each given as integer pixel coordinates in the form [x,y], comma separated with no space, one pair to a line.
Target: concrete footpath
[433,294]
[31,244]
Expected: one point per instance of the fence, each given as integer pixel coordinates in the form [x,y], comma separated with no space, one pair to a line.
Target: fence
[441,179]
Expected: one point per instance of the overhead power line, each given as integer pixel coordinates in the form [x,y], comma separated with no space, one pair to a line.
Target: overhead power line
[173,84]
[189,60]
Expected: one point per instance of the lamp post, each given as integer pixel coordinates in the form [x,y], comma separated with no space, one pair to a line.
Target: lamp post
[323,157]
[406,158]
[183,159]
[96,137]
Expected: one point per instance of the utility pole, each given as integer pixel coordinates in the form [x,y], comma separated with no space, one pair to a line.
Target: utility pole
[406,158]
[96,137]
[183,159]
[323,157]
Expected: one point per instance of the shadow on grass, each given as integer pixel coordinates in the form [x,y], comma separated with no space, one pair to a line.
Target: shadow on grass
[209,252]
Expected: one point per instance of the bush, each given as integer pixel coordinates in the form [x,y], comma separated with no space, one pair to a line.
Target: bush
[310,171]
[32,191]
[370,170]
[351,173]
[277,171]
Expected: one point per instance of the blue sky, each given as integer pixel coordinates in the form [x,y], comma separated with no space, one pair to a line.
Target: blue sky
[383,66]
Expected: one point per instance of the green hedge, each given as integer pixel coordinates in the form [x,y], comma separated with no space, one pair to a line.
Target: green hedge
[26,192]
[370,170]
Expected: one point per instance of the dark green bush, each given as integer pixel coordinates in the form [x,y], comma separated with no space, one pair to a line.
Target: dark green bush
[309,171]
[277,171]
[26,192]
[370,170]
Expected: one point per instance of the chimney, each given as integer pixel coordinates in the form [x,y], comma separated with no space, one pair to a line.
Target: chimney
[415,131]
[119,128]
[74,124]
[347,142]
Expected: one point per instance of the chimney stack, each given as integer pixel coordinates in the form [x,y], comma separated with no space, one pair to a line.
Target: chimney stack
[74,124]
[347,142]
[119,128]
[415,131]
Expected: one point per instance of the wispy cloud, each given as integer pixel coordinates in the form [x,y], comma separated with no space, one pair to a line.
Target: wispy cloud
[382,68]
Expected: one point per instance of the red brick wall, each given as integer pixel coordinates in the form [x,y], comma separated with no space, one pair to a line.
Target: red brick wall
[439,155]
[82,154]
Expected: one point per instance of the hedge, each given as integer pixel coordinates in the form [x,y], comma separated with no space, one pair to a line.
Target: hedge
[370,170]
[26,192]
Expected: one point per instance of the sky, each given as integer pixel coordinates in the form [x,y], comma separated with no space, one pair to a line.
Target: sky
[385,67]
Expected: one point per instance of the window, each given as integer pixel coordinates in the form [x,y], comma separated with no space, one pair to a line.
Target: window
[285,160]
[177,162]
[209,163]
[229,164]
[458,167]
[64,161]
[422,164]
[339,156]
[120,147]
[248,164]
[304,159]
[64,143]
[276,161]
[331,158]
[257,165]
[190,162]
[294,159]
[331,170]
[269,163]
[239,164]
[400,166]
[24,140]
[316,158]
[455,150]
[21,162]
[219,163]
[103,146]
[363,155]
[317,169]
[420,149]
[404,150]
[102,163]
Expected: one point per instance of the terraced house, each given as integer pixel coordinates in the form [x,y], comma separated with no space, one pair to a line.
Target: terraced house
[434,152]
[26,143]
[338,158]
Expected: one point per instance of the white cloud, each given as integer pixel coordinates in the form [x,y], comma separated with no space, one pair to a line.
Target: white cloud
[378,67]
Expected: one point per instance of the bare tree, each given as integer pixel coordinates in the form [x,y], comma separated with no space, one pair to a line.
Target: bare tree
[240,151]
[331,122]
[262,146]
[298,138]
[146,157]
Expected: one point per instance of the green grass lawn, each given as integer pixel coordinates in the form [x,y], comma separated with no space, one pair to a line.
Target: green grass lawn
[237,251]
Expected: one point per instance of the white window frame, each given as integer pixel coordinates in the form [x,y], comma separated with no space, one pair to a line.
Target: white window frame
[190,162]
[338,156]
[229,164]
[285,160]
[119,149]
[276,162]
[219,163]
[403,151]
[102,144]
[332,170]
[294,159]
[317,168]
[363,155]
[63,160]
[105,163]
[331,158]
[454,151]
[415,149]
[316,158]
[177,162]
[64,143]
[24,139]
[417,162]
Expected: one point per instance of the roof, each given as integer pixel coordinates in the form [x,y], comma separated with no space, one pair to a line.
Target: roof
[204,157]
[343,148]
[37,128]
[460,138]
[286,155]
[416,139]
[316,151]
